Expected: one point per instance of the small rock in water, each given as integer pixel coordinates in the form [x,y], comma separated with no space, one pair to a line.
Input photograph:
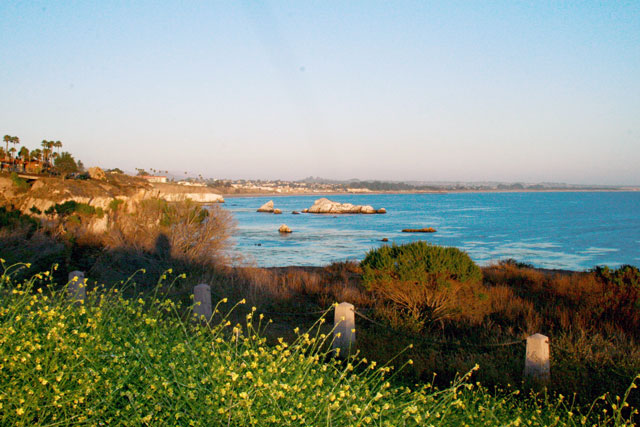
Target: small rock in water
[295,213]
[284,229]
[277,211]
[384,239]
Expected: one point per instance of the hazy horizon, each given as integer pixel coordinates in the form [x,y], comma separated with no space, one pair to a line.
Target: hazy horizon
[404,91]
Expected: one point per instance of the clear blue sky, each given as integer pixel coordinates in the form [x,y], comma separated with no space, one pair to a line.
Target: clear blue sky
[495,90]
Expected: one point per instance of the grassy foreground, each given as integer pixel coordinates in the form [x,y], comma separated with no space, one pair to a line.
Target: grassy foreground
[143,361]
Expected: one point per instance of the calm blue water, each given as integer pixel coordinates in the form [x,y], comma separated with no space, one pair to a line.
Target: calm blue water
[552,230]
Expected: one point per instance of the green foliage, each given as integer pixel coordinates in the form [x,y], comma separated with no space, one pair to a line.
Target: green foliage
[70,207]
[621,297]
[139,362]
[115,204]
[419,262]
[388,186]
[65,163]
[34,210]
[510,262]
[18,182]
[623,276]
[419,284]
[14,219]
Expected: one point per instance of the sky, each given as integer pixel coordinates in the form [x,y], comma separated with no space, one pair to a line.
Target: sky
[511,91]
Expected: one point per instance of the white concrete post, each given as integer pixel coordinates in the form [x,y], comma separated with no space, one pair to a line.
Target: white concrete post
[344,331]
[77,288]
[202,301]
[536,365]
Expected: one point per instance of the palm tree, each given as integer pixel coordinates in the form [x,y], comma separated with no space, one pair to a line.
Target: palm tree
[43,144]
[58,145]
[46,150]
[15,141]
[46,153]
[7,140]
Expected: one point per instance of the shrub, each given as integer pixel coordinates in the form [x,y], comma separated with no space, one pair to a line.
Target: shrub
[70,207]
[418,262]
[115,204]
[178,232]
[20,183]
[424,283]
[15,219]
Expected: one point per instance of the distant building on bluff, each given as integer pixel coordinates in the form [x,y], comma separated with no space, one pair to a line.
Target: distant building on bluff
[152,178]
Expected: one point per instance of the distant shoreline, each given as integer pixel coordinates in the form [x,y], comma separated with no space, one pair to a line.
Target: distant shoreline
[344,193]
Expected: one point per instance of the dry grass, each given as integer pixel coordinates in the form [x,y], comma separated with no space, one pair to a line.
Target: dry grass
[592,318]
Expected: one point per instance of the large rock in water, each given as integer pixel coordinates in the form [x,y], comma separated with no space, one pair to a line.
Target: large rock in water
[267,207]
[326,206]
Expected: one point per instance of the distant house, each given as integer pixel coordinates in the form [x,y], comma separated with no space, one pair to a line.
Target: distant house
[153,178]
[191,184]
[33,166]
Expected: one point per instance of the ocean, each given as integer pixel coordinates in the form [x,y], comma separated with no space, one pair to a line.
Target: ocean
[556,230]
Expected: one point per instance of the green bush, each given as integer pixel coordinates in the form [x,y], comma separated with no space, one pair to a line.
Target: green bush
[115,204]
[70,207]
[20,183]
[419,284]
[418,262]
[14,218]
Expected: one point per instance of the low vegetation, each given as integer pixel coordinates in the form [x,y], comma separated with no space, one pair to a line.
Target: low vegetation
[147,361]
[418,284]
[454,314]
[150,234]
[19,183]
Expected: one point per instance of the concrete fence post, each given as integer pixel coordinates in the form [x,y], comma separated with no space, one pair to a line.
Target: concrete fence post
[536,365]
[344,331]
[77,288]
[202,301]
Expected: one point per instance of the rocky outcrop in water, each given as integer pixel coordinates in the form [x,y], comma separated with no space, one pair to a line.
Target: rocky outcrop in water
[326,206]
[267,207]
[419,230]
[284,228]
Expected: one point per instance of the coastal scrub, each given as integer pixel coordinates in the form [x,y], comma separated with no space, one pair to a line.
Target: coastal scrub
[146,361]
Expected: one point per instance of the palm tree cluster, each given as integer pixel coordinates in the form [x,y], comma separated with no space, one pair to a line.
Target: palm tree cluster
[8,139]
[12,158]
[47,153]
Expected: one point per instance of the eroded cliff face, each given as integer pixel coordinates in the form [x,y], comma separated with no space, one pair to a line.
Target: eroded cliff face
[47,192]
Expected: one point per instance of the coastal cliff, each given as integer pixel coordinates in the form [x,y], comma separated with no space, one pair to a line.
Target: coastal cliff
[36,197]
